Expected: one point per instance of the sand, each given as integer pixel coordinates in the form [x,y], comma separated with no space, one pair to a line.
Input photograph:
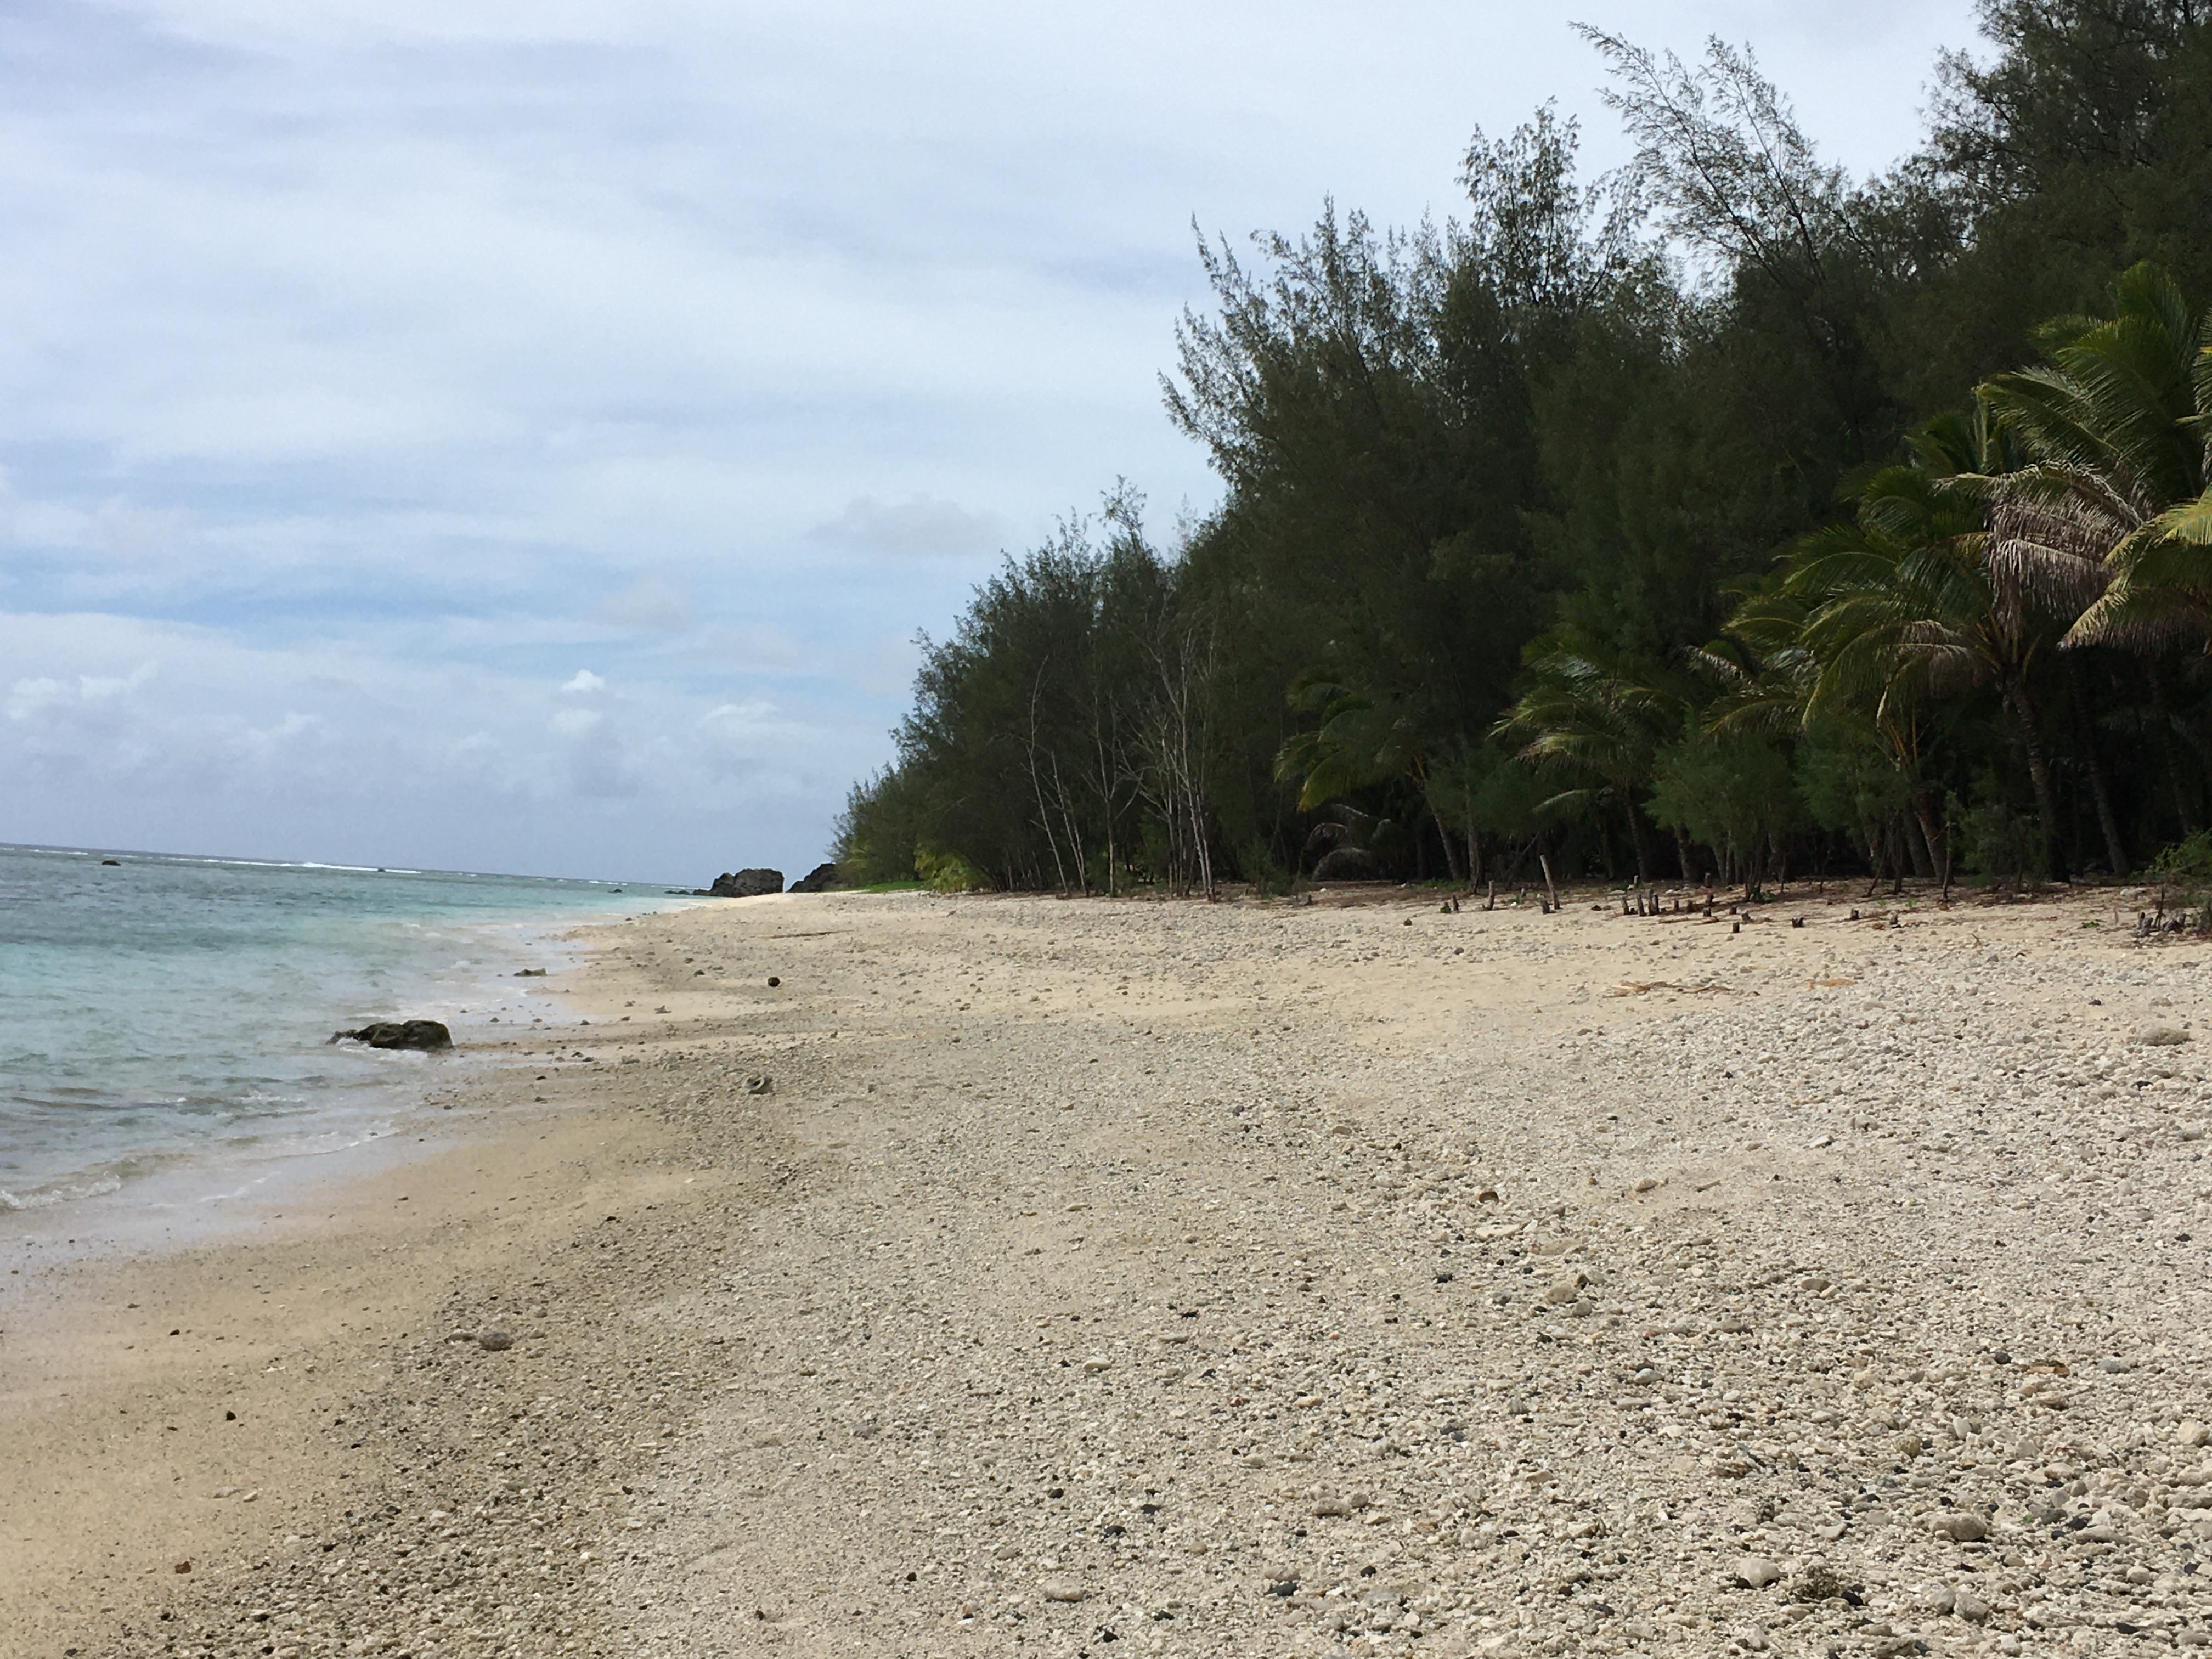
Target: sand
[1020,1276]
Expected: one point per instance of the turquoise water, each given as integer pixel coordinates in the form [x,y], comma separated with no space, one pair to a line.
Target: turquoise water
[162,1009]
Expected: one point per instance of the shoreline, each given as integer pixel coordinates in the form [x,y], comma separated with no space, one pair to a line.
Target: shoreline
[174,1185]
[163,1375]
[1087,1264]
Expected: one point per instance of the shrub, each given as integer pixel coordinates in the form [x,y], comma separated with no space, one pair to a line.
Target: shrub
[2187,864]
[948,872]
[1995,841]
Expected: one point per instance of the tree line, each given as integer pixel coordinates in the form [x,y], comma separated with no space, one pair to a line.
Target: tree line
[1722,518]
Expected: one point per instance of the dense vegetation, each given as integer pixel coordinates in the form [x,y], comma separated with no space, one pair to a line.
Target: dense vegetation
[1723,516]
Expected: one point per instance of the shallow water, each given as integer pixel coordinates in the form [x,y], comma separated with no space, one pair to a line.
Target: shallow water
[163,1010]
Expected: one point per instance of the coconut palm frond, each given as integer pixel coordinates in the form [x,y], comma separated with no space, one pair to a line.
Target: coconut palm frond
[2113,430]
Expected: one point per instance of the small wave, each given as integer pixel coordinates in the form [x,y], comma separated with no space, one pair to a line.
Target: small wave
[47,1197]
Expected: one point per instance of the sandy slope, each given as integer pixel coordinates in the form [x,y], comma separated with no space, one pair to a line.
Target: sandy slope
[1209,1280]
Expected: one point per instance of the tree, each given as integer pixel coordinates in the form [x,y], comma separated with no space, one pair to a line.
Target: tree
[2109,515]
[1600,719]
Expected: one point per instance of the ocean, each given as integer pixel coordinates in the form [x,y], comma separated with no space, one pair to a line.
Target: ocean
[160,1012]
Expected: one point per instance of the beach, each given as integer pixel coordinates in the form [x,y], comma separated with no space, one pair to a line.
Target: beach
[908,1274]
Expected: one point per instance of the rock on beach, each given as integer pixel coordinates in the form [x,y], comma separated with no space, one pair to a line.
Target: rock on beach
[420,1034]
[747,884]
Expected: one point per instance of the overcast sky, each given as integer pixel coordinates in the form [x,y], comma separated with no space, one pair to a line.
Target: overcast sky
[526,435]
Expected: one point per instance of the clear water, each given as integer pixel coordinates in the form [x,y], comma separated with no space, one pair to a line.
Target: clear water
[163,1009]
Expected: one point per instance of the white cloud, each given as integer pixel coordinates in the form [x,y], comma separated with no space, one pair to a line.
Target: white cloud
[334,746]
[585,680]
[27,697]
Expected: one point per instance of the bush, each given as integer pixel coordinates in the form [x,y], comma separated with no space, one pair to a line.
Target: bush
[1851,786]
[1257,866]
[948,872]
[1731,793]
[2187,864]
[1995,841]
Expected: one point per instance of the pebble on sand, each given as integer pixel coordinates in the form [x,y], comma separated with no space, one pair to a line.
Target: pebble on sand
[1958,1526]
[1757,1572]
[493,1339]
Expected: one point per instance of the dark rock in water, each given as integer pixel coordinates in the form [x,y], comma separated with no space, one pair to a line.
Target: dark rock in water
[820,879]
[530,973]
[116,863]
[747,884]
[399,1033]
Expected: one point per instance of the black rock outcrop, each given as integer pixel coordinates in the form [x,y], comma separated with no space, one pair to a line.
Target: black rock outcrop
[747,884]
[820,879]
[399,1033]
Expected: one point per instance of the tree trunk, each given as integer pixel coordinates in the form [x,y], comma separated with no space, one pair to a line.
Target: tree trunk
[1451,853]
[1939,848]
[2184,813]
[1643,854]
[1921,851]
[2039,773]
[2116,852]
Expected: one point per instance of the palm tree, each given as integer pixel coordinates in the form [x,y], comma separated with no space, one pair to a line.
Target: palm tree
[2110,513]
[1599,714]
[1905,602]
[1363,737]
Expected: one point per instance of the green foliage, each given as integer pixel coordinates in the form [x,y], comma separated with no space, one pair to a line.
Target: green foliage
[1257,864]
[948,872]
[1734,793]
[2187,864]
[1728,493]
[1849,784]
[2111,510]
[878,831]
[2000,843]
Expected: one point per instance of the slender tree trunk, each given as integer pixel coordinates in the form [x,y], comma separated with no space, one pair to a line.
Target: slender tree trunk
[2116,852]
[1939,848]
[1916,846]
[1044,818]
[2039,773]
[1070,828]
[1451,852]
[2184,811]
[1636,838]
[1682,857]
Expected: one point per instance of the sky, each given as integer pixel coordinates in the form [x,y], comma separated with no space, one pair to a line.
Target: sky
[526,435]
